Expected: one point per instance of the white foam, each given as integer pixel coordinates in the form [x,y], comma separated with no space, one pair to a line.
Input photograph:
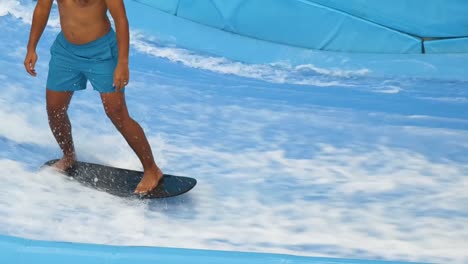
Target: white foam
[334,72]
[15,8]
[462,100]
[23,10]
[244,221]
[276,72]
[26,123]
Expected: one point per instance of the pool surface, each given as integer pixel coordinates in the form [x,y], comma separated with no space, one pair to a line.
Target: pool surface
[301,155]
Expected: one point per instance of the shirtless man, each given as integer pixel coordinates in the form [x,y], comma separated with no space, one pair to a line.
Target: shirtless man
[88,49]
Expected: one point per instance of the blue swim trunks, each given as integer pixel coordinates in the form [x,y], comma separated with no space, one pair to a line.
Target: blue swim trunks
[71,65]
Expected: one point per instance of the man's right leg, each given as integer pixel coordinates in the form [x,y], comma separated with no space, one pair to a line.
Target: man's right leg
[57,106]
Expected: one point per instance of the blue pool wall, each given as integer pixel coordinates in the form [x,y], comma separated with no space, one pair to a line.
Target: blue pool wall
[24,251]
[364,26]
[162,20]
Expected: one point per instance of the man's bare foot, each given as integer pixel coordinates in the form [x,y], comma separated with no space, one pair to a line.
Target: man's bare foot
[64,164]
[150,181]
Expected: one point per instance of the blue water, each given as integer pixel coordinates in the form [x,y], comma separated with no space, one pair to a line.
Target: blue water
[300,160]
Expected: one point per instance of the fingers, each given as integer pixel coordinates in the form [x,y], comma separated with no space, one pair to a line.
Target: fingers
[120,83]
[29,64]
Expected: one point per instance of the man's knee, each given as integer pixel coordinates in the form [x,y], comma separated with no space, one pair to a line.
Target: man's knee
[114,111]
[57,102]
[117,114]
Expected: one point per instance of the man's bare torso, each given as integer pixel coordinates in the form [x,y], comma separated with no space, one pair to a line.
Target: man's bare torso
[83,21]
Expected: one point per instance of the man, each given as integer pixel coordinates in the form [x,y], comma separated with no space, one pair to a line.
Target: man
[88,49]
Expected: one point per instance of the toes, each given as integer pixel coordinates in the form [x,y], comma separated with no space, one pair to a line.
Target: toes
[144,189]
[140,189]
[141,192]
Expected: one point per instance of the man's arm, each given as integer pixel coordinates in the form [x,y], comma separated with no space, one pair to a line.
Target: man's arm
[117,10]
[39,22]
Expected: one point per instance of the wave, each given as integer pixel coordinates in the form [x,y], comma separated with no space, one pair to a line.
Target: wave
[279,72]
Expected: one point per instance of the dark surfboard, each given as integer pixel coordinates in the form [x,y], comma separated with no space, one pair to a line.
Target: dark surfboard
[122,182]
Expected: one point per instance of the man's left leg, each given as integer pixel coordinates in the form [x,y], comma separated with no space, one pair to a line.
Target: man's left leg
[116,109]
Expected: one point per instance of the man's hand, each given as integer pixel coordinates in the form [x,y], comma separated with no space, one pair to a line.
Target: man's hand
[121,76]
[30,62]
[117,10]
[39,21]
